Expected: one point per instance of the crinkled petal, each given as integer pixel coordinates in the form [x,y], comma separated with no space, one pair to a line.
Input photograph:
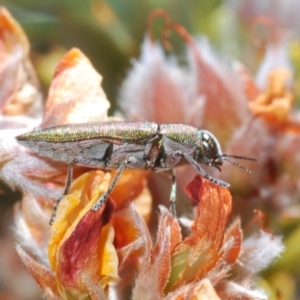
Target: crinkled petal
[82,240]
[233,238]
[201,251]
[150,284]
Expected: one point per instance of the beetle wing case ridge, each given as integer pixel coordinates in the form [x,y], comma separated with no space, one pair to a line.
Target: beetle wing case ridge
[127,131]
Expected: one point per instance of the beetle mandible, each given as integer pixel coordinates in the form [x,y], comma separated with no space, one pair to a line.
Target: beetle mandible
[129,145]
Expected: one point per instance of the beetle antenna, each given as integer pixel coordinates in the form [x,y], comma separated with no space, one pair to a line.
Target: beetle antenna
[237,164]
[238,157]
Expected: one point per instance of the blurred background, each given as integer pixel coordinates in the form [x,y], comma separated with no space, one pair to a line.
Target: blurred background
[110,33]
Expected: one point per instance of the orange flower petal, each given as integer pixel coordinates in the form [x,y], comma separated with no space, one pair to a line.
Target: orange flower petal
[11,33]
[276,103]
[75,94]
[130,186]
[200,252]
[20,92]
[126,231]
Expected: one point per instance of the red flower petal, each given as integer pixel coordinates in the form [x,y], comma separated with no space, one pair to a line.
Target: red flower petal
[79,253]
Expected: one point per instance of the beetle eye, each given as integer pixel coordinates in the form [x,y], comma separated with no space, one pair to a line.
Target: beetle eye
[205,136]
[210,145]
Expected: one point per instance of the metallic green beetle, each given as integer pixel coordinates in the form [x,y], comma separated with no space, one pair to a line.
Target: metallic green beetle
[129,145]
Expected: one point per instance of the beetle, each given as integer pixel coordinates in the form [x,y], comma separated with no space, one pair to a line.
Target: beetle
[129,145]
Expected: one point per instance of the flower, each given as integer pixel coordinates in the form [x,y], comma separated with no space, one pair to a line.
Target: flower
[199,264]
[275,104]
[78,239]
[82,256]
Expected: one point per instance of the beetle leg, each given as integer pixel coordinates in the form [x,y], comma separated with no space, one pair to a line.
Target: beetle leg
[173,193]
[66,190]
[94,163]
[204,174]
[104,197]
[151,152]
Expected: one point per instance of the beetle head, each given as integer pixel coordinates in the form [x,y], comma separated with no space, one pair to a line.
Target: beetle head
[209,150]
